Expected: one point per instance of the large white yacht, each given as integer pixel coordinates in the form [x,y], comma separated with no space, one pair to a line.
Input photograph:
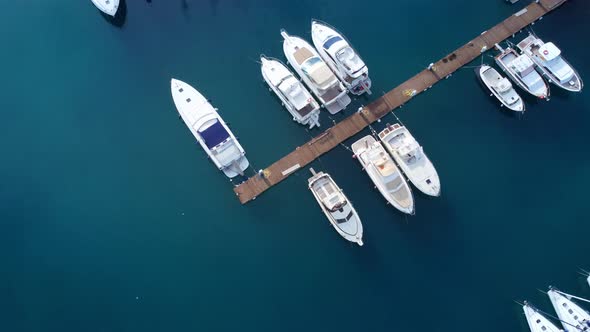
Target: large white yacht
[549,61]
[537,322]
[500,87]
[108,7]
[341,57]
[521,69]
[209,129]
[294,96]
[385,175]
[315,73]
[336,206]
[411,158]
[569,313]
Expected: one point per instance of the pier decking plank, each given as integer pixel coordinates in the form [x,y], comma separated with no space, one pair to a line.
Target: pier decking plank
[355,123]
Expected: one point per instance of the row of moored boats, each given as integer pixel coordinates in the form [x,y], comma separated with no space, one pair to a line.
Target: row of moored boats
[570,314]
[537,60]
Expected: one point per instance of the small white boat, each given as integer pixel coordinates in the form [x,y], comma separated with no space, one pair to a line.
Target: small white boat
[336,206]
[410,157]
[537,322]
[294,96]
[521,69]
[108,7]
[551,64]
[209,129]
[341,57]
[385,175]
[315,73]
[570,313]
[500,87]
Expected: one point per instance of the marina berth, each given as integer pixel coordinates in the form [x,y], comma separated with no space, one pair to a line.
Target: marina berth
[500,87]
[569,312]
[341,57]
[108,7]
[537,321]
[410,157]
[384,173]
[315,73]
[209,129]
[547,57]
[336,206]
[293,95]
[521,69]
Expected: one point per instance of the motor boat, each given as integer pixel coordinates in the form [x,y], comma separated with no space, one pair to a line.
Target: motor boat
[537,321]
[547,57]
[500,87]
[209,129]
[294,96]
[569,312]
[410,157]
[108,7]
[384,173]
[344,61]
[336,206]
[521,69]
[315,73]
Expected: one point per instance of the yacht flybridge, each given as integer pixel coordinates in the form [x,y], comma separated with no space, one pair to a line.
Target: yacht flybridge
[108,7]
[315,73]
[569,313]
[521,69]
[500,87]
[549,61]
[336,206]
[410,157]
[341,57]
[385,175]
[294,96]
[537,321]
[209,129]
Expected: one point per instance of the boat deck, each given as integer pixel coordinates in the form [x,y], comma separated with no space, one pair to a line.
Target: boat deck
[352,125]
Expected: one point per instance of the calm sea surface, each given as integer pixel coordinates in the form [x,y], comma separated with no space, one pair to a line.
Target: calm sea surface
[112,218]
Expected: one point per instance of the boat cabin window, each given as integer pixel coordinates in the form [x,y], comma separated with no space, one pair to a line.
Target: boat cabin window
[543,328]
[564,305]
[188,100]
[214,135]
[180,90]
[331,41]
[570,311]
[309,64]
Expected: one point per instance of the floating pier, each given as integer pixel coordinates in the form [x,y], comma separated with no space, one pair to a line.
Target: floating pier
[352,125]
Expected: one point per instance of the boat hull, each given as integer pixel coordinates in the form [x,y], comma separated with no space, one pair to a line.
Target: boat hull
[108,7]
[481,72]
[537,322]
[568,312]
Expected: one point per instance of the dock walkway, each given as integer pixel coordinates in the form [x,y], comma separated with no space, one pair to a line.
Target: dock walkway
[352,125]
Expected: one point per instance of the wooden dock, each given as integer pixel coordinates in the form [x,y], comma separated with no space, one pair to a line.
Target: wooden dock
[352,125]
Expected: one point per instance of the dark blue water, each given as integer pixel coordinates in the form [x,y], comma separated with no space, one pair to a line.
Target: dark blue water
[112,218]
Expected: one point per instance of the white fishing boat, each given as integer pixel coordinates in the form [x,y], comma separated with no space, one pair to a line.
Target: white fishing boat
[537,321]
[521,69]
[569,312]
[108,7]
[500,87]
[547,57]
[341,57]
[315,73]
[209,129]
[410,157]
[294,96]
[336,206]
[384,173]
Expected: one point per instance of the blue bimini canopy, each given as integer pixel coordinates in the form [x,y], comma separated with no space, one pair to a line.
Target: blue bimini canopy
[214,135]
[331,41]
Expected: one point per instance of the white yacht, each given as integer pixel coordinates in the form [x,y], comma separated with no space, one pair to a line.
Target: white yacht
[537,322]
[385,175]
[108,7]
[549,61]
[521,69]
[568,311]
[209,129]
[500,87]
[294,96]
[410,157]
[337,208]
[341,57]
[315,73]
